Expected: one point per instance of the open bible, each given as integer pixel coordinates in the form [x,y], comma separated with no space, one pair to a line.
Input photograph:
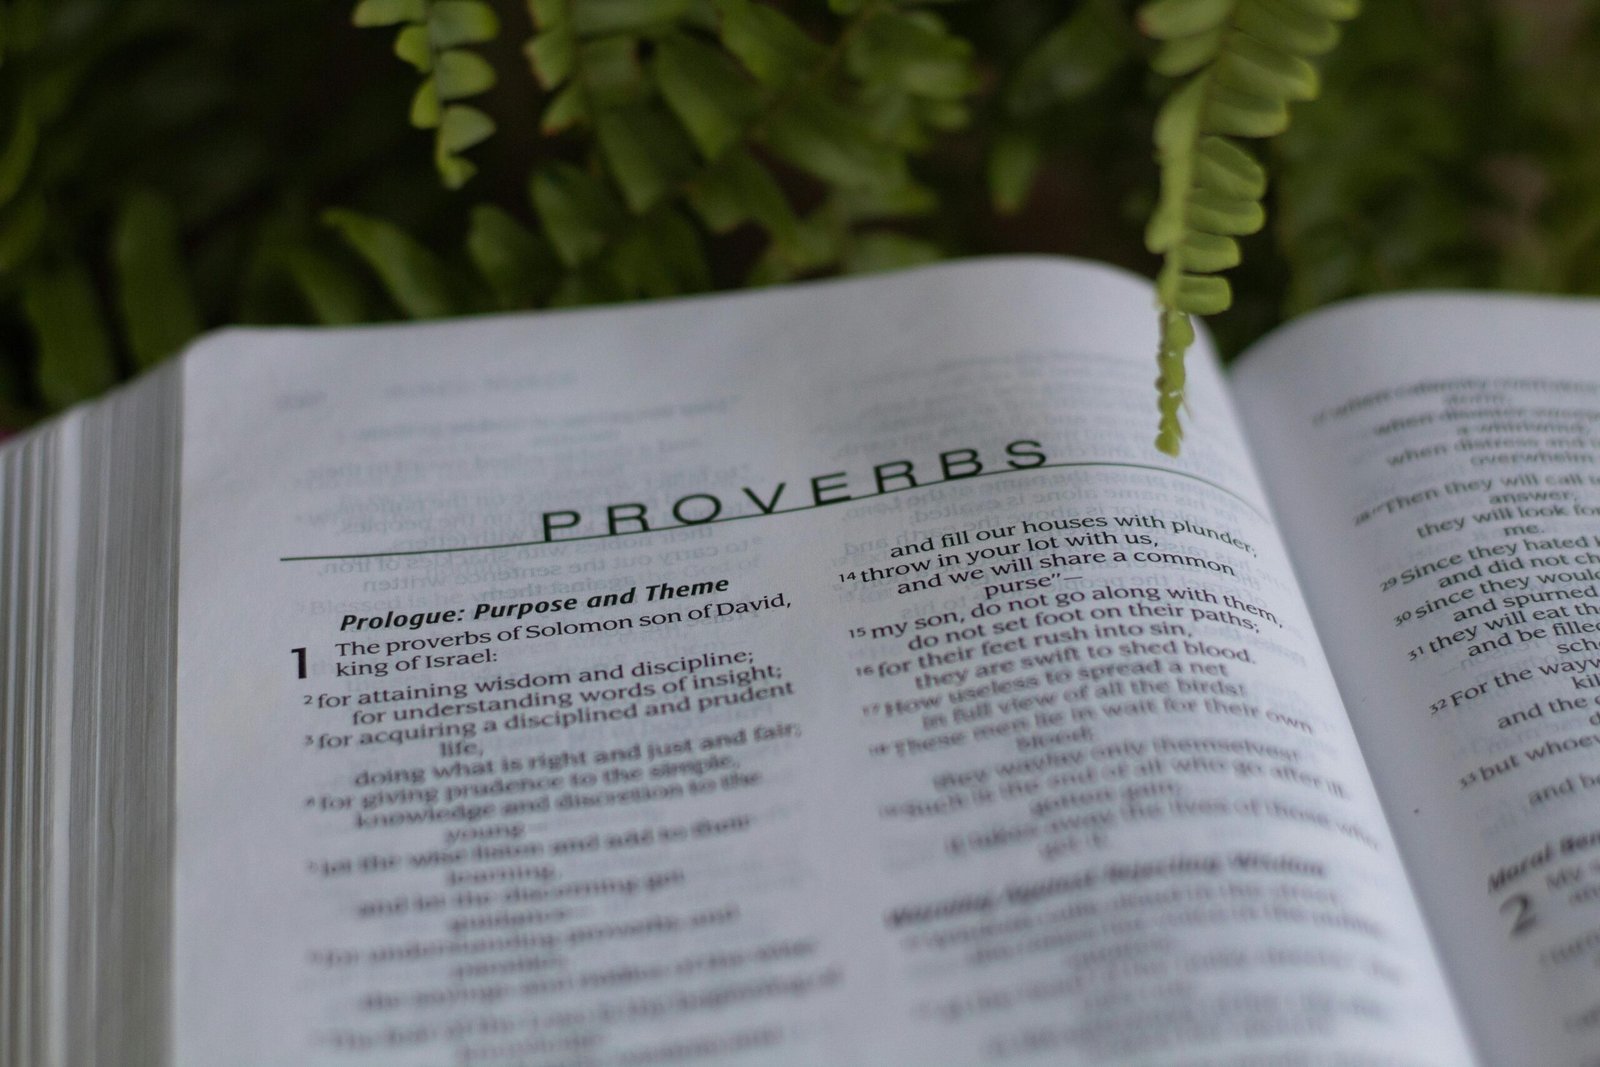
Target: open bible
[828,674]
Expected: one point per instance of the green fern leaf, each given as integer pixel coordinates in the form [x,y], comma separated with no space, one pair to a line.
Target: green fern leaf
[426,109]
[430,39]
[1254,68]
[1246,61]
[461,74]
[330,290]
[460,127]
[1282,25]
[578,212]
[413,45]
[547,13]
[1013,162]
[644,153]
[17,156]
[1071,61]
[604,18]
[914,53]
[157,305]
[770,46]
[453,23]
[551,55]
[1166,19]
[886,250]
[1228,169]
[566,110]
[668,98]
[74,346]
[1185,55]
[739,189]
[1208,253]
[418,282]
[825,139]
[663,256]
[706,92]
[1236,113]
[388,12]
[521,269]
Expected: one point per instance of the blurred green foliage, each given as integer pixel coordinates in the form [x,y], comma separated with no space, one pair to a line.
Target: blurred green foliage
[169,166]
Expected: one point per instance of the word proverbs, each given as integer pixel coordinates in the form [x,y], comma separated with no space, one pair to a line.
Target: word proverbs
[835,487]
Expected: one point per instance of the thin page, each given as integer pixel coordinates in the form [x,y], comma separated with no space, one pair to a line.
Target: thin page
[1433,462]
[831,674]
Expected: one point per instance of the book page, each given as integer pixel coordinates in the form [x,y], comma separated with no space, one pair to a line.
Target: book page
[1435,464]
[820,675]
[88,600]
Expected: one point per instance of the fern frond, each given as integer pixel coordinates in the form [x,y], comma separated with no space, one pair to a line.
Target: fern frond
[722,110]
[431,38]
[1245,61]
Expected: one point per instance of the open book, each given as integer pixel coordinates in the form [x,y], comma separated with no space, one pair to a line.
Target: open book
[831,674]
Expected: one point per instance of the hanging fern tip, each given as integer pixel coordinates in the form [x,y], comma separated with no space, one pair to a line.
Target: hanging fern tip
[1243,62]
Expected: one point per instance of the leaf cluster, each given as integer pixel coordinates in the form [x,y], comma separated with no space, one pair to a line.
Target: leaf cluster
[154,180]
[672,123]
[433,39]
[169,166]
[664,147]
[1448,150]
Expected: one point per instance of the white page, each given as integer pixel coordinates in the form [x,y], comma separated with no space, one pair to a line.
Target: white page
[1433,464]
[1142,832]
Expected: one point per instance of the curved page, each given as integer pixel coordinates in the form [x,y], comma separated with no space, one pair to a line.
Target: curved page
[831,674]
[1436,468]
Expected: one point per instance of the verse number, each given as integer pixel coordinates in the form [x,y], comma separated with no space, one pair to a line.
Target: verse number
[299,661]
[1520,907]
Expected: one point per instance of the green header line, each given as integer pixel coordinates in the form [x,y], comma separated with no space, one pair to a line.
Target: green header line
[777,511]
